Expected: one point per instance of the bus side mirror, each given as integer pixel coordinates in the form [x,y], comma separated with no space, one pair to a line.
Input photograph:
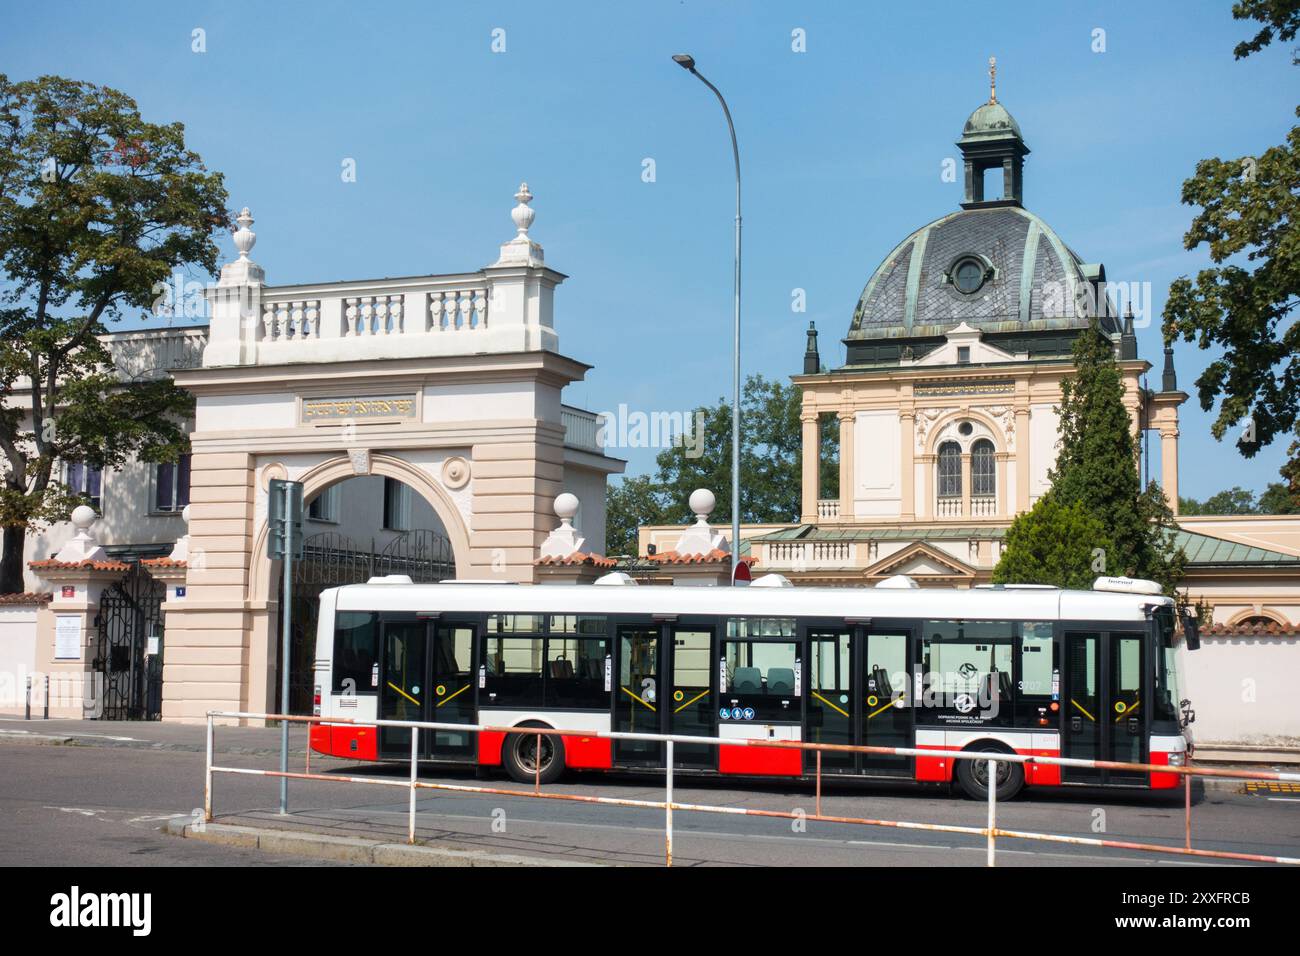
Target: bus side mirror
[1191,629]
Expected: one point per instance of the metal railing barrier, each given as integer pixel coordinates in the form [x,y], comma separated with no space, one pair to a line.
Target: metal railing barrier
[990,832]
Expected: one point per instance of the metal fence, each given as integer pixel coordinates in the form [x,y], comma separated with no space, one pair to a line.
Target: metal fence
[991,832]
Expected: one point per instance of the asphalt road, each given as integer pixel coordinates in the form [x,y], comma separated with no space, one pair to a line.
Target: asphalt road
[103,802]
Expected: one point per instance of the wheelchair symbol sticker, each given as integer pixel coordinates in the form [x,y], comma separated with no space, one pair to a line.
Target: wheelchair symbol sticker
[724,713]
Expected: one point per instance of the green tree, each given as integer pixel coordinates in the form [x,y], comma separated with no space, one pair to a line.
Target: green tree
[1052,543]
[1277,499]
[1096,468]
[1244,305]
[1234,501]
[97,208]
[770,467]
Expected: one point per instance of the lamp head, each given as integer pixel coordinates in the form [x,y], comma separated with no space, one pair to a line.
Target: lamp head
[685,61]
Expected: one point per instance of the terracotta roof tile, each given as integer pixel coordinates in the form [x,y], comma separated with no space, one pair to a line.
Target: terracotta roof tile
[163,563]
[578,558]
[1249,630]
[712,557]
[50,564]
[25,598]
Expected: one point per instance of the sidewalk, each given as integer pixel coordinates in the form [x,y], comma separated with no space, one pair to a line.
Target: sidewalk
[149,735]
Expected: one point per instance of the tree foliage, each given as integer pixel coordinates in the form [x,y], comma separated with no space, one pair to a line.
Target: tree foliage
[1051,543]
[97,208]
[1096,469]
[1245,303]
[770,467]
[1276,499]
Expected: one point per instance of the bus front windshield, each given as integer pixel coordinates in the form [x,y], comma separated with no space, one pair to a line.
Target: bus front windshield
[1167,684]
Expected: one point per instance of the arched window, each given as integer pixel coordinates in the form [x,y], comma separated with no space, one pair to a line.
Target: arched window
[950,470]
[983,470]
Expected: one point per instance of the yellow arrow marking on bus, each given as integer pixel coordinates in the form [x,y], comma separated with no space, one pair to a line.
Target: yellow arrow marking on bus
[636,698]
[1085,713]
[441,702]
[403,693]
[691,701]
[892,703]
[829,704]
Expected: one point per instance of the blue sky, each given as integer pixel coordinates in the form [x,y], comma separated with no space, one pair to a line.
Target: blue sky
[842,148]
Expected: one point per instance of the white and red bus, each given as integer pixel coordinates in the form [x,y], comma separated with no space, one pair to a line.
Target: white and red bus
[1030,670]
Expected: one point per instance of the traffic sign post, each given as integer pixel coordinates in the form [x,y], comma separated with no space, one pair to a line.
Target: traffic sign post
[284,542]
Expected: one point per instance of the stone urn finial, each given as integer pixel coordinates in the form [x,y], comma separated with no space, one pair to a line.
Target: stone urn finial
[523,214]
[244,237]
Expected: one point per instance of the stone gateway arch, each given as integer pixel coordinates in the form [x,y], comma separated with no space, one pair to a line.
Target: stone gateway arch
[449,384]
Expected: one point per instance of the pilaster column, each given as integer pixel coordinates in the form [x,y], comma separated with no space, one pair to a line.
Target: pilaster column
[1003,501]
[907,463]
[1023,450]
[1169,465]
[847,420]
[811,451]
[965,484]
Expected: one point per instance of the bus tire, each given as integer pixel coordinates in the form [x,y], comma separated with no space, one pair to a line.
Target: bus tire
[972,775]
[518,756]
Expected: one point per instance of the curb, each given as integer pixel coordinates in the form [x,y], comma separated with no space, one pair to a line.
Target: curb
[349,849]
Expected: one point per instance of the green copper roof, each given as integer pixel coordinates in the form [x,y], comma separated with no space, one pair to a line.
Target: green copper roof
[1202,550]
[990,121]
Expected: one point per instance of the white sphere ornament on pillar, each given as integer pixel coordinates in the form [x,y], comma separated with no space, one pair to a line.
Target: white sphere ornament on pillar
[702,502]
[244,237]
[564,541]
[81,547]
[83,516]
[566,507]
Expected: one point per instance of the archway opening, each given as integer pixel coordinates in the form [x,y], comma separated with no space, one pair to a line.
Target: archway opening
[353,530]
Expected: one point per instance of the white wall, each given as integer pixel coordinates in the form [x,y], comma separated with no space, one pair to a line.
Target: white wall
[878,489]
[1243,689]
[17,657]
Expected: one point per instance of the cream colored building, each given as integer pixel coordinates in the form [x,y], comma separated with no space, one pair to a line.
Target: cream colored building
[436,400]
[946,409]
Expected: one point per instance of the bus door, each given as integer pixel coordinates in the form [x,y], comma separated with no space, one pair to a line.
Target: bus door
[832,698]
[638,707]
[884,698]
[1104,707]
[690,700]
[403,685]
[451,682]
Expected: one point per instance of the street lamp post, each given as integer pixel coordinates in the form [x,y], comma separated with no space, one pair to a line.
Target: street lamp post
[687,62]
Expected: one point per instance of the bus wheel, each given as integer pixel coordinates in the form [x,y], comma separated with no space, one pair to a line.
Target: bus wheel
[521,757]
[973,775]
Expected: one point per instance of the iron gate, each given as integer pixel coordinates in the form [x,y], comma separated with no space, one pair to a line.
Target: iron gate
[130,678]
[331,560]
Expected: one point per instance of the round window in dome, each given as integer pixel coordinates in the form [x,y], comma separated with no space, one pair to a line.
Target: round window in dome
[968,275]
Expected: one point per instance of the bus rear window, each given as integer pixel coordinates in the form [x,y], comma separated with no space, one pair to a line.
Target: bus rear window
[356,652]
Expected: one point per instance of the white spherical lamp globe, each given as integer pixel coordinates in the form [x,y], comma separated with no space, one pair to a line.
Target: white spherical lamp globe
[702,502]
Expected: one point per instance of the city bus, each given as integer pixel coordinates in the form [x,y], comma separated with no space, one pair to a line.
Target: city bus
[1031,670]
